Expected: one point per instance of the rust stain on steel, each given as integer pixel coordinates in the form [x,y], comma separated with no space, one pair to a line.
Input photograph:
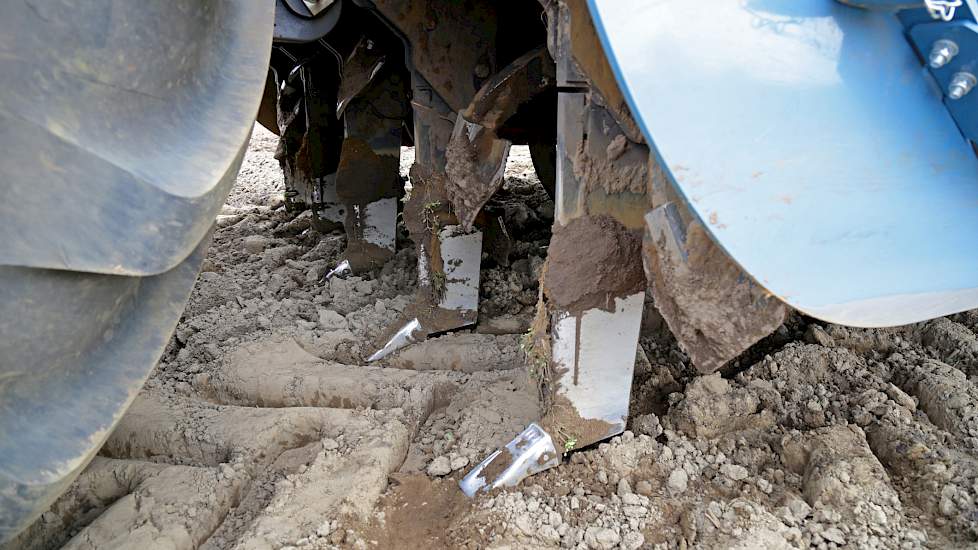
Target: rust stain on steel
[448,40]
[359,69]
[715,221]
[476,157]
[517,83]
[589,53]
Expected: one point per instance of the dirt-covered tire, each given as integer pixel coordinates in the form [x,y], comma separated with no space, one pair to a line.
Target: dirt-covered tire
[76,348]
[122,128]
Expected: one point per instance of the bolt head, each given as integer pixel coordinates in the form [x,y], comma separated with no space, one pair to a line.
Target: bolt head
[942,52]
[961,84]
[939,59]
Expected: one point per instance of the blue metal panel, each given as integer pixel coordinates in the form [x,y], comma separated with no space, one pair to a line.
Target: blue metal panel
[806,137]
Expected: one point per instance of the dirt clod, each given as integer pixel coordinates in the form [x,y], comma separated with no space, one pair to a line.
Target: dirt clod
[595,260]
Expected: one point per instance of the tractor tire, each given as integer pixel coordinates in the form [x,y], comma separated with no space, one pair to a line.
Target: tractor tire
[123,126]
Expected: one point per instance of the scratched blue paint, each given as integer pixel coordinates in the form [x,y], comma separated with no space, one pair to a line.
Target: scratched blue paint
[808,139]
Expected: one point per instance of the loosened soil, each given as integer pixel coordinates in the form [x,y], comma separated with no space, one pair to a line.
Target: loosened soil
[262,427]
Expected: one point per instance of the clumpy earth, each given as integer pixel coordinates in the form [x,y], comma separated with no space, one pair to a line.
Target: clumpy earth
[262,427]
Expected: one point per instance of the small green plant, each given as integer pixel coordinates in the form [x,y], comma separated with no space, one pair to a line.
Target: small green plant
[438,281]
[569,439]
[535,360]
[429,216]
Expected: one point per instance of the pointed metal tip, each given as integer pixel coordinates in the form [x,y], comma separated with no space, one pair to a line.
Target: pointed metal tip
[530,452]
[341,270]
[407,335]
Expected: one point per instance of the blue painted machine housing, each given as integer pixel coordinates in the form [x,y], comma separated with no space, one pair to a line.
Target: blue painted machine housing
[810,141]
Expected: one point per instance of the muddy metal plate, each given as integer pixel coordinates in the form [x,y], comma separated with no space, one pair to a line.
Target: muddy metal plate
[808,139]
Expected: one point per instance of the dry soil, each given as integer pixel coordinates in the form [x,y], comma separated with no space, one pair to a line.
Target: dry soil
[263,428]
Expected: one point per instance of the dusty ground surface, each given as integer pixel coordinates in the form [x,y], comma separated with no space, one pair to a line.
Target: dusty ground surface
[262,428]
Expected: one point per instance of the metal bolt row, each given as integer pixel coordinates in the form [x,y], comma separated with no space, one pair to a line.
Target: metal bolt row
[941,53]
